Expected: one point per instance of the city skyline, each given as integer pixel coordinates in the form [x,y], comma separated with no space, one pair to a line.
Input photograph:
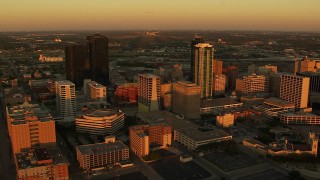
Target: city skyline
[35,15]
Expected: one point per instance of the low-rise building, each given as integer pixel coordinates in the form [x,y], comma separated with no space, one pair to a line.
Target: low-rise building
[217,103]
[300,118]
[225,120]
[273,107]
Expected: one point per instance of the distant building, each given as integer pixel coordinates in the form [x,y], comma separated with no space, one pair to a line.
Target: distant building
[295,89]
[252,84]
[102,154]
[266,70]
[66,99]
[186,99]
[30,125]
[43,58]
[225,120]
[94,90]
[149,93]
[219,85]
[176,73]
[100,122]
[232,75]
[193,138]
[41,163]
[144,137]
[204,55]
[217,67]
[166,96]
[218,103]
[195,41]
[127,93]
[273,107]
[307,65]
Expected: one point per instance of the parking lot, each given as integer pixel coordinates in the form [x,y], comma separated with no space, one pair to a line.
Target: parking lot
[266,175]
[229,162]
[174,169]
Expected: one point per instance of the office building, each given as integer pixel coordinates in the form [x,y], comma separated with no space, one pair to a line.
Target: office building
[216,67]
[66,100]
[314,80]
[144,137]
[166,96]
[273,107]
[232,75]
[94,90]
[192,138]
[195,41]
[100,155]
[308,65]
[127,93]
[41,163]
[30,125]
[148,93]
[100,121]
[77,64]
[225,120]
[204,54]
[295,89]
[176,73]
[301,118]
[252,84]
[186,99]
[99,58]
[219,85]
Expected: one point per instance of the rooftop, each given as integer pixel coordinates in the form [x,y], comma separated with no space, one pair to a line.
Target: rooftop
[96,85]
[149,75]
[102,112]
[300,114]
[218,102]
[197,135]
[64,83]
[203,45]
[101,148]
[278,102]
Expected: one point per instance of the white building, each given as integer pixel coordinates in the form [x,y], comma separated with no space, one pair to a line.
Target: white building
[66,99]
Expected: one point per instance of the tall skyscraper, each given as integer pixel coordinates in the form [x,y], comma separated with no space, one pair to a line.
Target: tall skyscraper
[77,64]
[66,99]
[295,89]
[196,40]
[203,59]
[149,93]
[186,99]
[219,85]
[30,125]
[99,58]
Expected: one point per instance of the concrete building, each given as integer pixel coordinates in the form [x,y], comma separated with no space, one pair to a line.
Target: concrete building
[102,154]
[149,93]
[195,41]
[176,73]
[218,103]
[66,100]
[295,89]
[186,99]
[300,118]
[204,55]
[144,137]
[252,84]
[307,65]
[100,122]
[41,163]
[217,67]
[225,120]
[94,90]
[219,85]
[127,93]
[193,138]
[30,125]
[314,80]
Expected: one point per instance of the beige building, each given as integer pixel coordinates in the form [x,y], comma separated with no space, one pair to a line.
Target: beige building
[148,93]
[100,121]
[203,67]
[102,154]
[217,67]
[307,65]
[300,118]
[252,84]
[186,99]
[142,137]
[30,125]
[225,120]
[219,85]
[66,99]
[295,89]
[94,90]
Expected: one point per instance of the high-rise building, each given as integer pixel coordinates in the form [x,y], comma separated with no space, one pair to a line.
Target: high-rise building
[102,154]
[219,85]
[77,64]
[148,93]
[186,99]
[196,40]
[295,89]
[30,125]
[216,67]
[204,54]
[100,122]
[232,75]
[144,136]
[314,80]
[99,58]
[66,99]
[252,84]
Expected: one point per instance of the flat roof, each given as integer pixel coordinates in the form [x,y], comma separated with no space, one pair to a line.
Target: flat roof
[218,102]
[300,114]
[278,102]
[148,75]
[101,112]
[65,82]
[198,135]
[101,148]
[96,85]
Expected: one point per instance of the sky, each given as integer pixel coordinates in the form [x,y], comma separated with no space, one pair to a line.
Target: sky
[279,15]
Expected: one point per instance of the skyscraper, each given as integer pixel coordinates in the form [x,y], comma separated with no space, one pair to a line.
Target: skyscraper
[77,64]
[203,59]
[66,99]
[99,58]
[148,93]
[196,40]
[232,74]
[295,89]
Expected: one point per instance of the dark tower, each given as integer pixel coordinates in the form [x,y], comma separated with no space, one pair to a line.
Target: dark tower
[77,64]
[196,40]
[99,58]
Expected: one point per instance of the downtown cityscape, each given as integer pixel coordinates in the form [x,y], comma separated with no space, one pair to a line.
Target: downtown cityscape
[160,98]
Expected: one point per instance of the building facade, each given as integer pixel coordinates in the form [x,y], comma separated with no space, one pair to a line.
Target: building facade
[252,84]
[225,120]
[195,41]
[149,93]
[219,85]
[66,99]
[94,90]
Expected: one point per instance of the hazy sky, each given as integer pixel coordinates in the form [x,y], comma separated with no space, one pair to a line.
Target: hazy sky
[292,15]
